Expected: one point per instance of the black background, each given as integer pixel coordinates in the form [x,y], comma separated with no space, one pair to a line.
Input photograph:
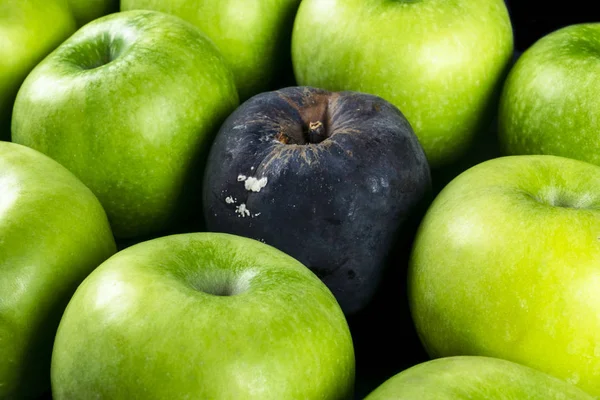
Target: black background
[534,19]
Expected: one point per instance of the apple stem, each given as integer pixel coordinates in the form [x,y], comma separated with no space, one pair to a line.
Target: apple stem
[316,132]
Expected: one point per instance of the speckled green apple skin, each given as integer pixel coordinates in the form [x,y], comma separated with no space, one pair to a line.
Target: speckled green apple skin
[475,378]
[506,263]
[86,11]
[130,104]
[53,233]
[549,104]
[440,62]
[203,316]
[29,30]
[253,36]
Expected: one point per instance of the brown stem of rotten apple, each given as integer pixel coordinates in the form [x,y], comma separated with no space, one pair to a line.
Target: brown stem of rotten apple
[315,132]
[313,126]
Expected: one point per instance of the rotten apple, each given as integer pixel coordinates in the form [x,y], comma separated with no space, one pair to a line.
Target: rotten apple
[327,177]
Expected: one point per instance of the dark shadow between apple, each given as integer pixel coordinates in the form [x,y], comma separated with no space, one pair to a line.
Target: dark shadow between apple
[385,338]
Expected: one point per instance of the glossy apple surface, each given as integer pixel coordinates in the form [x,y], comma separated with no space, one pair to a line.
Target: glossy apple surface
[53,233]
[549,103]
[203,316]
[29,30]
[505,264]
[475,378]
[441,63]
[130,104]
[253,36]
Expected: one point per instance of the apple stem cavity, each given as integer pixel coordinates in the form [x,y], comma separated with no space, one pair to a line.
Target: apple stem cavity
[554,197]
[313,133]
[107,49]
[223,285]
[316,132]
[314,129]
[222,289]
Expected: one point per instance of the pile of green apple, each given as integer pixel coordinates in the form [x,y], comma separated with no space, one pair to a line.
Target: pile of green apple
[201,199]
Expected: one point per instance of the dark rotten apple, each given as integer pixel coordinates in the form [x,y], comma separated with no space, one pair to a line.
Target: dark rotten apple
[327,177]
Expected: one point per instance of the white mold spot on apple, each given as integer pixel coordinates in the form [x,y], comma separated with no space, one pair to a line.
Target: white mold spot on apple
[229,200]
[242,210]
[241,178]
[374,185]
[255,185]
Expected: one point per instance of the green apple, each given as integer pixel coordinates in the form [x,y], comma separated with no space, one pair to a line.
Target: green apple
[549,104]
[130,103]
[53,233]
[253,36]
[202,316]
[506,263]
[29,30]
[475,378]
[89,10]
[440,62]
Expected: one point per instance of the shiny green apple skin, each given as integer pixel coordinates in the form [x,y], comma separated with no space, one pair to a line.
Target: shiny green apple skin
[129,104]
[53,233]
[549,103]
[475,378]
[253,36]
[506,263]
[441,63]
[86,11]
[29,30]
[203,316]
